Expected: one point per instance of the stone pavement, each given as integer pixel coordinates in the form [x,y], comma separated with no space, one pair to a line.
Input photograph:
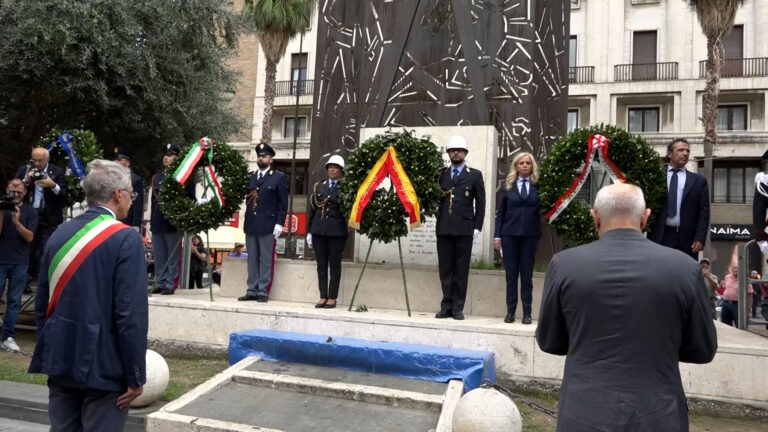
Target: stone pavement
[8,425]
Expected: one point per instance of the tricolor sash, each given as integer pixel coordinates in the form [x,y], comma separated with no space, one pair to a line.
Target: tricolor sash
[71,256]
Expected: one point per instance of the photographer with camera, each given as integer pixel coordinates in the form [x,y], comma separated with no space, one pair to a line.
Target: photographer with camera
[47,193]
[18,222]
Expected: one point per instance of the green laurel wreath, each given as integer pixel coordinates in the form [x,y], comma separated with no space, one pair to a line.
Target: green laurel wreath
[84,143]
[638,162]
[384,218]
[189,217]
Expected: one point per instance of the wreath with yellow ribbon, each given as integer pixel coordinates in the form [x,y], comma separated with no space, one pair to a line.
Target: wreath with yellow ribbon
[412,166]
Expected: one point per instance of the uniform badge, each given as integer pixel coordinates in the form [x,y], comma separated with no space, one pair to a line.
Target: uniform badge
[116,150]
[466,193]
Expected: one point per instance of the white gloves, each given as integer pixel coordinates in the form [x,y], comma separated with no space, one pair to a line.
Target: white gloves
[763,246]
[309,240]
[476,233]
[277,231]
[202,200]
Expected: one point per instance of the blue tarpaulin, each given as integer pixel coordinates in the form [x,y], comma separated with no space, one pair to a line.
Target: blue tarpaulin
[431,363]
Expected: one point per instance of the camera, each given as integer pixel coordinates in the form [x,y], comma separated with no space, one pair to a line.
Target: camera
[39,175]
[7,203]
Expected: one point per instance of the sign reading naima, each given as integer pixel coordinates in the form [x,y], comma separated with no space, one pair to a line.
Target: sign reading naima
[731,232]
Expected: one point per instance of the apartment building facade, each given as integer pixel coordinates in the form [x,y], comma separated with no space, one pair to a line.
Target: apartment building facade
[639,64]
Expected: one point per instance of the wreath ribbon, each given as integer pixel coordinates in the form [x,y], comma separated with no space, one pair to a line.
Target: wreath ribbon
[188,164]
[388,164]
[65,141]
[596,143]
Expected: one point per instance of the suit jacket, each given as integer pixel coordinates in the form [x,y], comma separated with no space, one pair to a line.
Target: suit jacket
[517,216]
[330,222]
[157,221]
[462,207]
[625,311]
[269,209]
[694,213]
[97,335]
[52,214]
[136,212]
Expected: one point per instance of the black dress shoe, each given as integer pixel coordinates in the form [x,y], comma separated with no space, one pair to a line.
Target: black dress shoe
[320,305]
[330,305]
[458,316]
[166,292]
[444,314]
[510,318]
[247,297]
[527,320]
[261,299]
[157,291]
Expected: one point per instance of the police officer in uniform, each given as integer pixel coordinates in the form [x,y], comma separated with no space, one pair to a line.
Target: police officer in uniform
[459,221]
[136,212]
[327,231]
[266,206]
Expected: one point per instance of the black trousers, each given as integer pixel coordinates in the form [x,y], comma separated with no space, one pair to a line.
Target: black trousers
[328,253]
[453,256]
[519,255]
[195,277]
[77,409]
[672,239]
[36,251]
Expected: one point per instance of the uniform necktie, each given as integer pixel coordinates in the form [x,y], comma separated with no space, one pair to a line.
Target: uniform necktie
[261,174]
[524,191]
[333,184]
[455,175]
[672,195]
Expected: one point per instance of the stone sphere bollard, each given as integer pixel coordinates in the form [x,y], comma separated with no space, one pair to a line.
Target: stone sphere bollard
[157,380]
[487,410]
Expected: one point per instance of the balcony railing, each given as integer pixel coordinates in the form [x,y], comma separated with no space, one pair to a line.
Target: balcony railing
[745,67]
[645,71]
[581,74]
[289,88]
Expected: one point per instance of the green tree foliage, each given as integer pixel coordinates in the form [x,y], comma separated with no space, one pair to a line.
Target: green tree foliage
[138,73]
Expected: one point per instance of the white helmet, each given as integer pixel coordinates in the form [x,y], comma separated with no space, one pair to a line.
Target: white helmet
[336,160]
[457,142]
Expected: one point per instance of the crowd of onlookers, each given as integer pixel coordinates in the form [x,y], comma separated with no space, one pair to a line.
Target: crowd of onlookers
[724,294]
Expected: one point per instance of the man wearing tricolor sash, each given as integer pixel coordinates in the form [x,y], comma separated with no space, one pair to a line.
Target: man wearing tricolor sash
[91,309]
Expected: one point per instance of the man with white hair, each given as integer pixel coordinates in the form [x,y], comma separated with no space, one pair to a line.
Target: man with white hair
[623,328]
[91,309]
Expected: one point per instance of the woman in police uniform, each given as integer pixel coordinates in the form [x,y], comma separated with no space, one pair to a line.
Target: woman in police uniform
[327,231]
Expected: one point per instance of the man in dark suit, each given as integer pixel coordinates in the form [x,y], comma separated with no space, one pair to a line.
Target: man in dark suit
[91,313]
[266,205]
[624,311]
[136,212]
[46,193]
[683,222]
[459,221]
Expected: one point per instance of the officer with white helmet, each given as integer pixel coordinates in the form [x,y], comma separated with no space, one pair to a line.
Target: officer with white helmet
[459,221]
[327,231]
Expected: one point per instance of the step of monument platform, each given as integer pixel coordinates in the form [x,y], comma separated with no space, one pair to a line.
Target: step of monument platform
[29,403]
[282,396]
[735,375]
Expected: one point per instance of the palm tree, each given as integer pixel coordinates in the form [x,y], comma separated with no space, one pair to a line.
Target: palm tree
[276,21]
[716,19]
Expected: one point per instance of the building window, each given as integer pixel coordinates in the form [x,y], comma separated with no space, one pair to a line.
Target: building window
[734,184]
[298,73]
[302,184]
[572,51]
[732,117]
[288,127]
[573,120]
[643,120]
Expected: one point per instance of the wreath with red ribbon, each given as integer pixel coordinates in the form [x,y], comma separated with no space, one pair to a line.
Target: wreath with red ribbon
[412,165]
[624,157]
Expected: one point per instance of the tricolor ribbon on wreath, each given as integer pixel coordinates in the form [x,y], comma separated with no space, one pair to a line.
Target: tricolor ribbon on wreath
[388,164]
[188,164]
[65,141]
[596,143]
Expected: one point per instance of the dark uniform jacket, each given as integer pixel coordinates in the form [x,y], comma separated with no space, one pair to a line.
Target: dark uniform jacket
[517,216]
[157,221]
[324,218]
[462,207]
[271,204]
[97,335]
[624,311]
[136,212]
[759,218]
[694,212]
[52,213]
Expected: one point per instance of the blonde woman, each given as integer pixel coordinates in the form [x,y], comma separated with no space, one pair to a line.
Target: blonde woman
[518,229]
